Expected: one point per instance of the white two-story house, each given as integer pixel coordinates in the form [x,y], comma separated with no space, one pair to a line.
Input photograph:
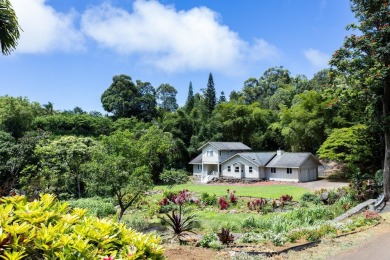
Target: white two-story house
[235,160]
[213,153]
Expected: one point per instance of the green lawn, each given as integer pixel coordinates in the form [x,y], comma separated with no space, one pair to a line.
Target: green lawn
[271,191]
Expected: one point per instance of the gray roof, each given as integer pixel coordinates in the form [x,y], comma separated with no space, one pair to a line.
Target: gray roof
[291,160]
[196,160]
[223,146]
[258,158]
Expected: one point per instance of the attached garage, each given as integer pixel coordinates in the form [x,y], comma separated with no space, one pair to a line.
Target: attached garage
[298,167]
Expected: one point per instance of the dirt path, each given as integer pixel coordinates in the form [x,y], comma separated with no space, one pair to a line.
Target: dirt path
[373,243]
[376,248]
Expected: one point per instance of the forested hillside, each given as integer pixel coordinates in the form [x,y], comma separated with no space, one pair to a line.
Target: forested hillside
[145,132]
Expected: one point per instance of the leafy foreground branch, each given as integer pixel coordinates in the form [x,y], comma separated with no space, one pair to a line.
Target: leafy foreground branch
[47,229]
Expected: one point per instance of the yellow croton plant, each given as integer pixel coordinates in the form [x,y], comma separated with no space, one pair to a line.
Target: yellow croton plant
[49,229]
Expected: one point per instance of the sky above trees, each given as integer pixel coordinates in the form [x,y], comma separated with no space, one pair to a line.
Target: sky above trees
[70,50]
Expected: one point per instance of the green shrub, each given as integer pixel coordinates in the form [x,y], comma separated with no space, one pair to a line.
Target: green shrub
[313,235]
[295,235]
[173,176]
[345,202]
[207,239]
[308,197]
[48,229]
[277,239]
[217,245]
[318,201]
[333,196]
[251,238]
[249,222]
[136,222]
[208,199]
[96,206]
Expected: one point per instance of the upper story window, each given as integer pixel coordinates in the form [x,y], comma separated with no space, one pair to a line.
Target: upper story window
[289,170]
[229,169]
[210,153]
[250,169]
[273,170]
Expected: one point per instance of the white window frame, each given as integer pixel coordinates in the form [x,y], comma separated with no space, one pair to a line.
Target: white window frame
[273,170]
[229,169]
[237,169]
[250,169]
[210,153]
[289,170]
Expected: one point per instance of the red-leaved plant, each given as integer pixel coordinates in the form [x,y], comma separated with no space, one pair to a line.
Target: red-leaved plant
[222,203]
[232,196]
[256,204]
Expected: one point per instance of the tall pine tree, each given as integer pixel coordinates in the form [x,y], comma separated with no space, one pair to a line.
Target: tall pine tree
[190,99]
[222,98]
[209,96]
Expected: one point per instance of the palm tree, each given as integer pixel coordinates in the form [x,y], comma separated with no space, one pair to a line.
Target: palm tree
[9,27]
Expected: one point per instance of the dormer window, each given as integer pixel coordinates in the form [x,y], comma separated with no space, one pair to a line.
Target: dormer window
[210,153]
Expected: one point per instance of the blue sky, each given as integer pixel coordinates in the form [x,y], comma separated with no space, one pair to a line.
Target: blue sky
[70,49]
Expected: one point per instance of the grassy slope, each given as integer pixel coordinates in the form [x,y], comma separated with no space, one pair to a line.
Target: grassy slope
[271,191]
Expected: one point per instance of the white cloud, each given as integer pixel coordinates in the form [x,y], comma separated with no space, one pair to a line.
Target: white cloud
[45,29]
[172,40]
[317,58]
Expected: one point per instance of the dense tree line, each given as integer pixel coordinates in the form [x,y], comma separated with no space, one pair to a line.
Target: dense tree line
[340,114]
[146,133]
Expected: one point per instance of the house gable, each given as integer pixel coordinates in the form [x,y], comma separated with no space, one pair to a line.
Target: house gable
[224,146]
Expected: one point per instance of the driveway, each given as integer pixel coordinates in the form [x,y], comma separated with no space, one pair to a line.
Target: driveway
[377,248]
[322,184]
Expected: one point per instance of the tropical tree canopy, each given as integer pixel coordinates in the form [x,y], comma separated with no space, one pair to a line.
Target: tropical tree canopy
[9,27]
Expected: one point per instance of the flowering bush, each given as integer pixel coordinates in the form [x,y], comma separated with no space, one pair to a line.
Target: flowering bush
[178,198]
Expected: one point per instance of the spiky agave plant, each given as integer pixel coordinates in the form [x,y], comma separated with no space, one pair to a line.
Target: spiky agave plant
[179,223]
[225,236]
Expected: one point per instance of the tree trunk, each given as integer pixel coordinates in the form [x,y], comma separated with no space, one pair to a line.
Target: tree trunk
[79,186]
[121,212]
[386,116]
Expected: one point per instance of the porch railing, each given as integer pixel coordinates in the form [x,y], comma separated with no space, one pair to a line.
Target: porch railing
[206,177]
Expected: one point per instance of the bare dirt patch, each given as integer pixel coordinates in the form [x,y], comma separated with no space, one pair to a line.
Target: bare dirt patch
[176,252]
